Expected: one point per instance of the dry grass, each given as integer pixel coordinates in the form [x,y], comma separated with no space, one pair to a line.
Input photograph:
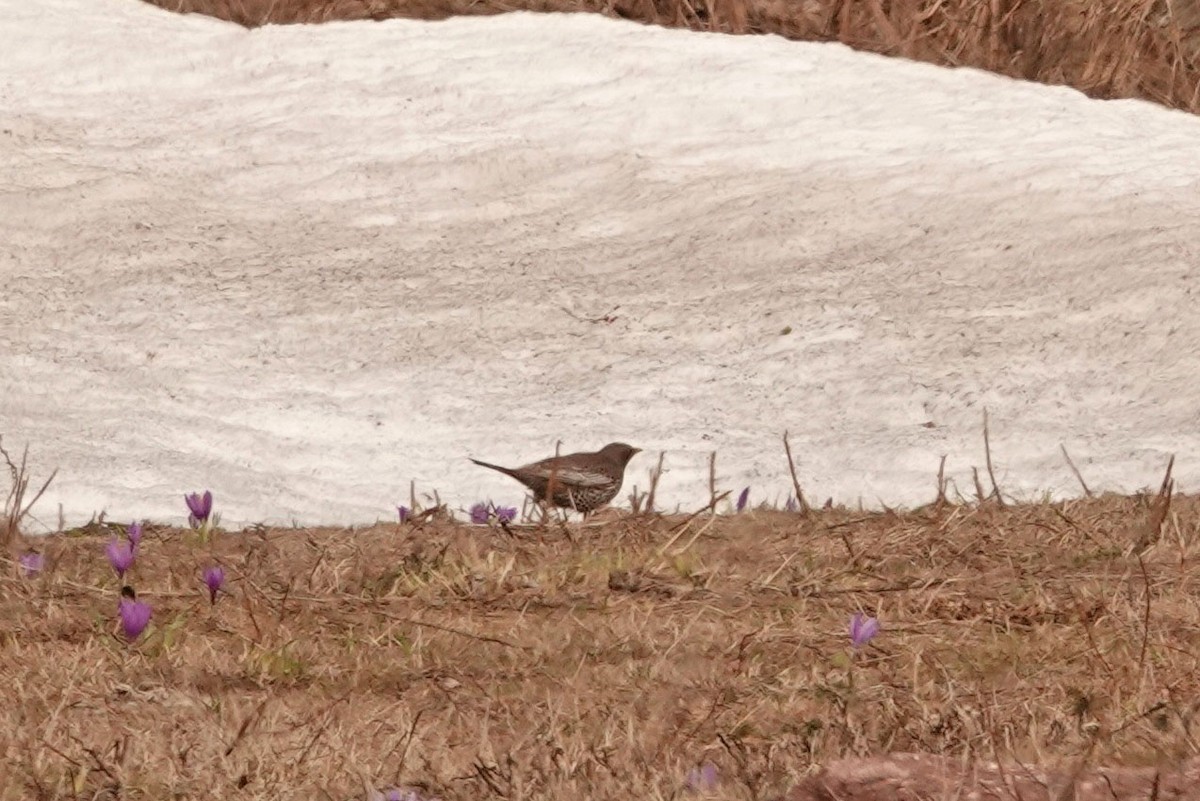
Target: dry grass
[1148,49]
[18,501]
[603,661]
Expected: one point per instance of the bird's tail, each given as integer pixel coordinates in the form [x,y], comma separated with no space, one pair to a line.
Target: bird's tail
[505,470]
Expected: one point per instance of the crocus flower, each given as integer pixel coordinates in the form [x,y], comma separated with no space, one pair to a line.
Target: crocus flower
[479,513]
[702,779]
[199,507]
[134,533]
[791,504]
[741,501]
[135,616]
[214,579]
[31,563]
[862,629]
[120,556]
[506,514]
[405,513]
[401,794]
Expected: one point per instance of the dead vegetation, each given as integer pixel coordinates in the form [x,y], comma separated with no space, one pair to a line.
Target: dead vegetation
[605,660]
[1147,49]
[906,777]
[17,502]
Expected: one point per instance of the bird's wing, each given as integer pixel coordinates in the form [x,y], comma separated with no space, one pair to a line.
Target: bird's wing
[572,476]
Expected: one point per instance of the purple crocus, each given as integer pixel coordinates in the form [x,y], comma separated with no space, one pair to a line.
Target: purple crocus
[862,629]
[792,505]
[135,616]
[742,499]
[120,556]
[214,579]
[199,507]
[702,779]
[480,513]
[401,794]
[31,563]
[134,533]
[405,513]
[506,514]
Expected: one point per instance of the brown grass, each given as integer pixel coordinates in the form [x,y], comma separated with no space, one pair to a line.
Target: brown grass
[603,661]
[18,501]
[1148,49]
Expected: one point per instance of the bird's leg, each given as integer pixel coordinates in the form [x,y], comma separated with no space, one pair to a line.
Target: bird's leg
[543,508]
[552,481]
[546,507]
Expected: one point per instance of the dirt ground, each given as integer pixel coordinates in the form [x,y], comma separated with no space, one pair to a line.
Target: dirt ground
[1147,49]
[604,660]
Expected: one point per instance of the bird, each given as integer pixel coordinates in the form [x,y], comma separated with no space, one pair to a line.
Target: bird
[581,481]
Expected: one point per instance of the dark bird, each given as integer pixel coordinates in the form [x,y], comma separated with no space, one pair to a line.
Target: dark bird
[579,481]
